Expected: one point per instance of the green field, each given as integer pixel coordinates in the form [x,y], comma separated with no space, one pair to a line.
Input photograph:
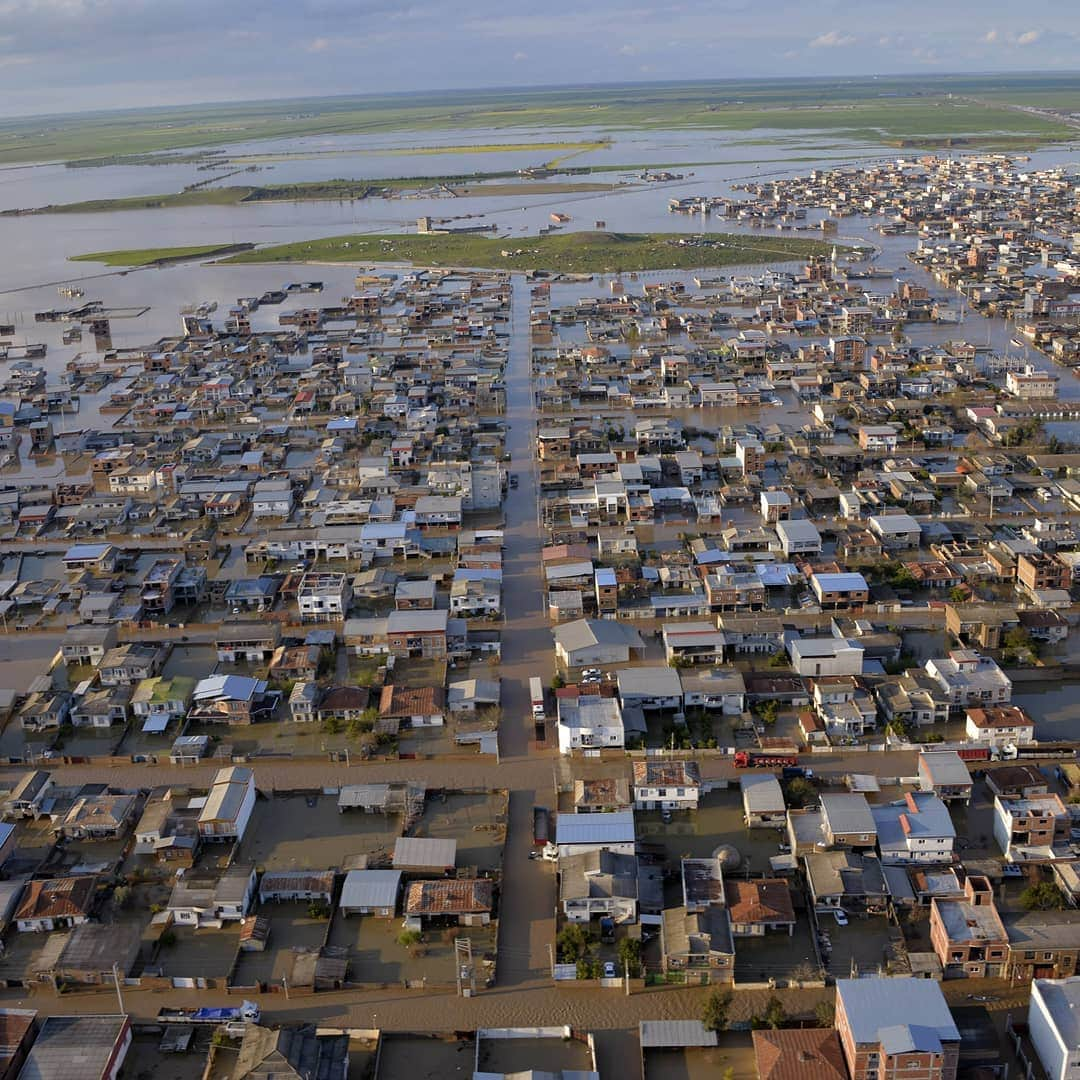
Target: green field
[916,110]
[579,252]
[155,256]
[321,191]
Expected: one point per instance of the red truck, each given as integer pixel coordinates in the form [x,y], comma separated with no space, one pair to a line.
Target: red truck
[756,759]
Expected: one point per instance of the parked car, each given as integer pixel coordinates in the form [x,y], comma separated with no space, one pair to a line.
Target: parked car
[609,969]
[841,917]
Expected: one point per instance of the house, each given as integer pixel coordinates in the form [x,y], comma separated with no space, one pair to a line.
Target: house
[967,934]
[370,892]
[247,641]
[29,794]
[982,625]
[756,907]
[1017,781]
[895,531]
[189,749]
[660,785]
[945,773]
[86,644]
[277,886]
[968,678]
[650,688]
[228,806]
[341,704]
[847,821]
[464,901]
[763,801]
[599,883]
[1032,827]
[95,953]
[600,795]
[1042,945]
[698,941]
[418,634]
[49,904]
[847,880]
[835,591]
[89,1047]
[896,1026]
[17,1030]
[228,699]
[324,596]
[916,829]
[596,641]
[1053,1023]
[124,665]
[413,706]
[716,688]
[467,697]
[207,899]
[99,559]
[808,1053]
[97,817]
[163,698]
[614,831]
[825,656]
[425,854]
[415,595]
[44,711]
[798,537]
[589,722]
[291,1053]
[694,642]
[1000,726]
[101,708]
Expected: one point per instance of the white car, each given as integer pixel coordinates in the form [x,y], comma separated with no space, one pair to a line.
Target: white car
[841,917]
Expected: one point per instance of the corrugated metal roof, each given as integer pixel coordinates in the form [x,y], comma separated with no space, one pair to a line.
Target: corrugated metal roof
[658,1033]
[424,851]
[370,889]
[614,828]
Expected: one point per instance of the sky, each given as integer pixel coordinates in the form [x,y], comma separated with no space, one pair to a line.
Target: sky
[75,55]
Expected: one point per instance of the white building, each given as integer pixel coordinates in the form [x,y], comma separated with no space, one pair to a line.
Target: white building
[1054,1026]
[227,810]
[590,722]
[825,656]
[915,830]
[799,537]
[323,597]
[970,679]
[1000,726]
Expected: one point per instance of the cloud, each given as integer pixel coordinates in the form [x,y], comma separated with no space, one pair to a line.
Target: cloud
[834,39]
[1028,37]
[318,45]
[990,37]
[628,50]
[519,56]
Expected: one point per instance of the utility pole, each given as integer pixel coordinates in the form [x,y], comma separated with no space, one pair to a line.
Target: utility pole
[119,995]
[626,976]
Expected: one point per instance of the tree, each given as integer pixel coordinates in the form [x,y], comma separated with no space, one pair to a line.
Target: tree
[1017,638]
[715,1010]
[775,1014]
[778,659]
[629,951]
[958,594]
[825,1014]
[408,938]
[121,897]
[1042,896]
[800,791]
[318,910]
[572,942]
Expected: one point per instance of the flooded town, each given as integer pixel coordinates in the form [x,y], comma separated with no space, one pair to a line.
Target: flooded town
[428,667]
